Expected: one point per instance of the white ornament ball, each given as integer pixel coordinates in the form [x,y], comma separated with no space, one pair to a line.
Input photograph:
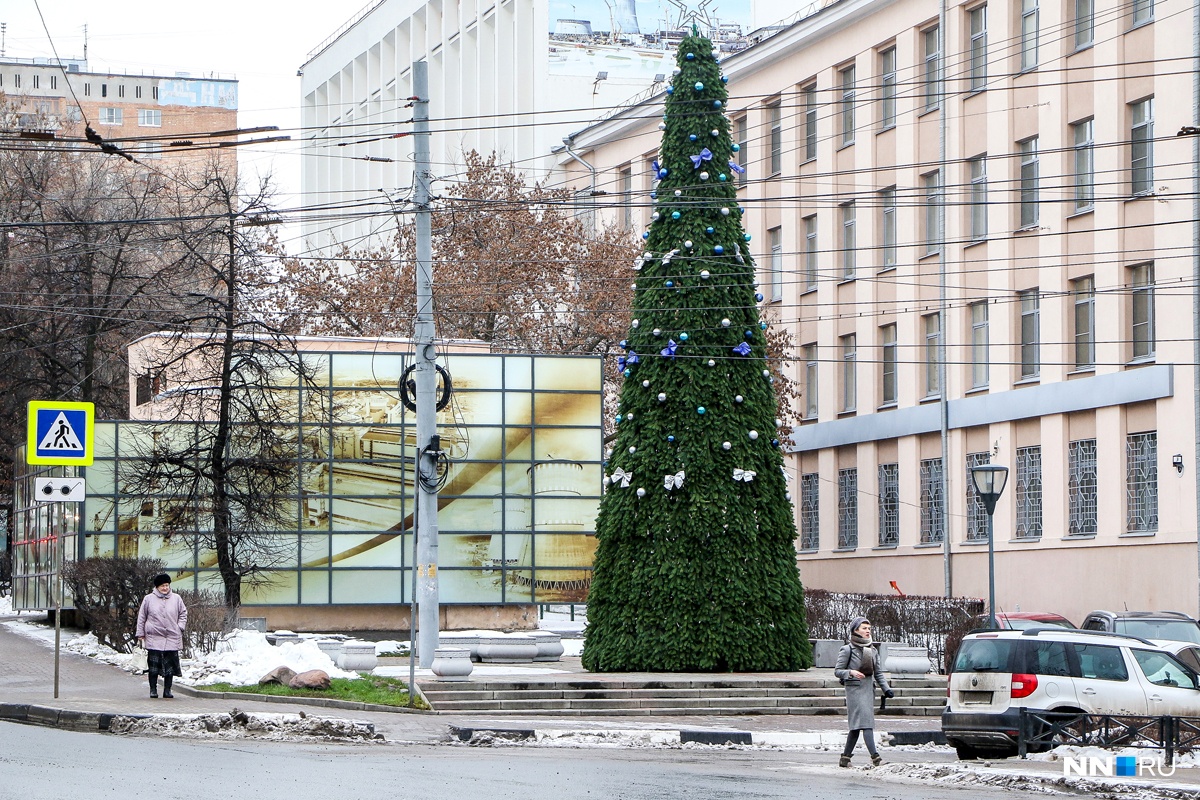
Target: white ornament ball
[726,445]
[633,286]
[712,363]
[704,274]
[607,480]
[766,373]
[724,212]
[657,331]
[634,324]
[687,243]
[679,192]
[753,436]
[654,217]
[676,71]
[662,126]
[778,423]
[787,496]
[738,398]
[662,396]
[608,453]
[703,176]
[632,450]
[648,256]
[629,416]
[725,323]
[645,384]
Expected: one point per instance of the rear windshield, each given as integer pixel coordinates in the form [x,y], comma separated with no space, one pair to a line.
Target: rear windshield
[1179,630]
[1024,624]
[984,655]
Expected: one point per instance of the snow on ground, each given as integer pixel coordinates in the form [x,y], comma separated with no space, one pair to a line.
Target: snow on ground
[241,725]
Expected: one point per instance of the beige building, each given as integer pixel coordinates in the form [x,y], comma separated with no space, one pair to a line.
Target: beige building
[977,222]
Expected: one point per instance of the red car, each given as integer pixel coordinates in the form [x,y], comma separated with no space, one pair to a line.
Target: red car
[1022,620]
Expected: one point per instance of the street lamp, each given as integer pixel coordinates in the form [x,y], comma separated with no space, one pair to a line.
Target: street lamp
[989,480]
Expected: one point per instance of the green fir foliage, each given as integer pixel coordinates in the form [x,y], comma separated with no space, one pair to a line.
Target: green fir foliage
[700,576]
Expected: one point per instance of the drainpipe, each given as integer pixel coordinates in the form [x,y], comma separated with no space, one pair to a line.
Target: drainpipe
[1196,272]
[567,142]
[944,402]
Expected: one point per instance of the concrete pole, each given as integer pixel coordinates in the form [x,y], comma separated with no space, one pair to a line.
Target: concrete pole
[426,585]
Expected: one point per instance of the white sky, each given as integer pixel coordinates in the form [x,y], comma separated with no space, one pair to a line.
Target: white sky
[260,42]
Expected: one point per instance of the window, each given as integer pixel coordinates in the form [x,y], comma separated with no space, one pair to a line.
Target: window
[775,119]
[87,90]
[37,80]
[625,178]
[1142,316]
[889,505]
[978,67]
[933,340]
[1141,147]
[933,211]
[17,81]
[1029,34]
[775,242]
[149,118]
[1141,482]
[810,381]
[1029,182]
[810,252]
[1082,481]
[847,509]
[104,90]
[848,240]
[1100,662]
[846,81]
[1085,164]
[810,511]
[887,202]
[121,90]
[137,93]
[53,81]
[849,348]
[111,116]
[887,363]
[1029,492]
[980,357]
[1031,357]
[743,139]
[151,149]
[154,92]
[1163,669]
[1085,23]
[887,91]
[933,68]
[933,505]
[977,172]
[977,517]
[810,121]
[1142,11]
[1084,292]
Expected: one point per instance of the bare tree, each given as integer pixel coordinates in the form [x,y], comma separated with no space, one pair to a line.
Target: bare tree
[221,461]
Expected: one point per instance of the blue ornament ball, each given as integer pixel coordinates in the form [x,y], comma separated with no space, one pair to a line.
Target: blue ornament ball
[758,296]
[719,250]
[670,90]
[710,229]
[654,194]
[675,215]
[627,373]
[699,86]
[746,237]
[683,337]
[774,443]
[717,104]
[736,147]
[749,334]
[670,284]
[690,56]
[624,344]
[662,173]
[670,438]
[692,137]
[762,326]
[724,79]
[619,418]
[700,410]
[646,235]
[723,176]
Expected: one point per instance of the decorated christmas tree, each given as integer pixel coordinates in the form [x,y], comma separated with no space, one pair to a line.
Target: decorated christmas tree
[696,564]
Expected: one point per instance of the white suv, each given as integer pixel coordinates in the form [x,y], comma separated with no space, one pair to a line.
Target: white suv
[996,673]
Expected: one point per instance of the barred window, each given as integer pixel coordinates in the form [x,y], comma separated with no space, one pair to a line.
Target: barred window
[810,512]
[1141,482]
[977,521]
[847,509]
[933,502]
[889,505]
[1029,492]
[1081,487]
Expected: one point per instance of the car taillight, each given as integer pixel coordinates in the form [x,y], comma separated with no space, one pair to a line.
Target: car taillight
[1023,685]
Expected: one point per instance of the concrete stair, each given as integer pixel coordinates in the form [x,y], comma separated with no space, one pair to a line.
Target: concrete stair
[923,697]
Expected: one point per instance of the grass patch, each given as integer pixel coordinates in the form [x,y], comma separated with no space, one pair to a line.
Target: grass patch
[375,689]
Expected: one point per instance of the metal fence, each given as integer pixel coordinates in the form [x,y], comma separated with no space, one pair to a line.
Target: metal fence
[1039,730]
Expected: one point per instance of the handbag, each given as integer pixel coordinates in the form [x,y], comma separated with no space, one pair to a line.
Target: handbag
[141,659]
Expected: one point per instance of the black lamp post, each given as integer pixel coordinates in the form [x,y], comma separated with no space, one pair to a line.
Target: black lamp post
[989,480]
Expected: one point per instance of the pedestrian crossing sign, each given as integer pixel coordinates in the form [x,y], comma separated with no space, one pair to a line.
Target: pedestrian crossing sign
[60,433]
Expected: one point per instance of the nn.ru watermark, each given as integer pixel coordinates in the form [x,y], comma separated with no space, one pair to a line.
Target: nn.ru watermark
[1146,766]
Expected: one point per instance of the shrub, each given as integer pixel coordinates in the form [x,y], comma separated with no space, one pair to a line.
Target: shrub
[5,573]
[108,593]
[935,623]
[209,622]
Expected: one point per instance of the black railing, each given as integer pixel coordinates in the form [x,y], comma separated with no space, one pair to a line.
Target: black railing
[1044,729]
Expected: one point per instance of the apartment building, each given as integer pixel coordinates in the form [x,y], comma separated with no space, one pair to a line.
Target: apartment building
[148,116]
[977,223]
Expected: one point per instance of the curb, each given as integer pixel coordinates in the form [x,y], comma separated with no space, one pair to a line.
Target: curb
[481,736]
[83,721]
[321,702]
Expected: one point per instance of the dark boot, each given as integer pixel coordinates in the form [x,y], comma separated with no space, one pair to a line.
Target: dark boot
[844,761]
[153,684]
[167,681]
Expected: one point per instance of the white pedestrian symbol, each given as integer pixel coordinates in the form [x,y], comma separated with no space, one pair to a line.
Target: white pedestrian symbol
[61,436]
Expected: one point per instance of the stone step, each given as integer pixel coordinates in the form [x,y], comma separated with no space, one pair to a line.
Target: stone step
[693,711]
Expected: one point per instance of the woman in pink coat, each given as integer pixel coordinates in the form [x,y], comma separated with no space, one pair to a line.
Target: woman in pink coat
[161,622]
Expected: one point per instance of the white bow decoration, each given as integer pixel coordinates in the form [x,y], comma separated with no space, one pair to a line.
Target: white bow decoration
[622,476]
[673,481]
[740,474]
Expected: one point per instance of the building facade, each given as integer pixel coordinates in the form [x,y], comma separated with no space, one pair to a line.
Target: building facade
[977,223]
[147,116]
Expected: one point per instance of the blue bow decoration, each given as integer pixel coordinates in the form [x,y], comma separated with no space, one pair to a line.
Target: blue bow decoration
[654,164]
[705,155]
[736,167]
[742,349]
[633,358]
[669,350]
[627,361]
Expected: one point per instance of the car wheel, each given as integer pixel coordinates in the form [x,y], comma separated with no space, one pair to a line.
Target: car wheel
[966,752]
[997,753]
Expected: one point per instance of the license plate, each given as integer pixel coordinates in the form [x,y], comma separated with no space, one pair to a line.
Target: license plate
[975,697]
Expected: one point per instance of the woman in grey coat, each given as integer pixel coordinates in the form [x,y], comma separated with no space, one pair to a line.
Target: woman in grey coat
[859,670]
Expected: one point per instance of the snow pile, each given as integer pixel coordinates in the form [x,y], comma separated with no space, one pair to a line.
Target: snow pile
[5,606]
[1063,751]
[246,656]
[242,725]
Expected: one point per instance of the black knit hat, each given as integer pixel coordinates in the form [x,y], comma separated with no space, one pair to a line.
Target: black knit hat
[854,623]
[160,579]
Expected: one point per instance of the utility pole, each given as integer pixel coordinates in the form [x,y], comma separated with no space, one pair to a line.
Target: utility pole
[428,441]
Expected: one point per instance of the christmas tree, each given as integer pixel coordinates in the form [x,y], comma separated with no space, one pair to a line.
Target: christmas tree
[695,568]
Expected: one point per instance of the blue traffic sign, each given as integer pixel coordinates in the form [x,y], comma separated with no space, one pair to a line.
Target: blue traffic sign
[60,433]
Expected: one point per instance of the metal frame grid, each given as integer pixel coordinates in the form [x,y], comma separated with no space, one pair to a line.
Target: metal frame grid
[933,503]
[810,511]
[977,518]
[889,505]
[1029,492]
[1082,483]
[847,509]
[1141,482]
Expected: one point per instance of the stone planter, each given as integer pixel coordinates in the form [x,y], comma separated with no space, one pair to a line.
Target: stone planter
[549,645]
[510,649]
[467,641]
[282,637]
[331,648]
[904,660]
[825,652]
[452,664]
[358,657]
